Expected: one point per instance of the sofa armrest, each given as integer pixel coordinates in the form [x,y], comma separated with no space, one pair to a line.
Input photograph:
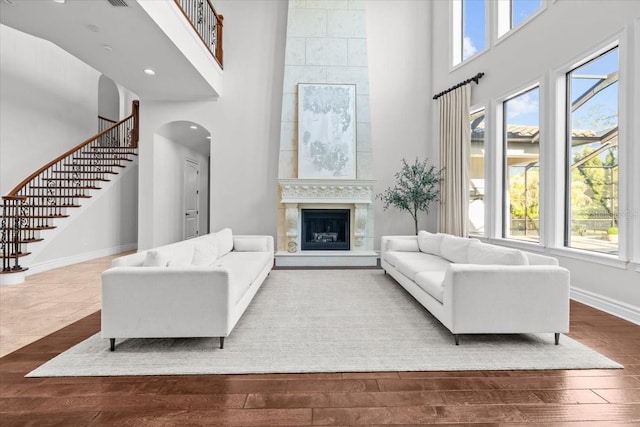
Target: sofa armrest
[165,302]
[507,298]
[253,243]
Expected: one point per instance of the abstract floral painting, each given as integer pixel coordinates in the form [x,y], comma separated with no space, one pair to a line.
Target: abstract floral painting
[326,131]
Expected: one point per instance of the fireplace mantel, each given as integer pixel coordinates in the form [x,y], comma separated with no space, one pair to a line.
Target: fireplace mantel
[356,191]
[296,193]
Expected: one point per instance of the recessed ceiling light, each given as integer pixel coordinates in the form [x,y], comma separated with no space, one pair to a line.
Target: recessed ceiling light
[60,1]
[149,71]
[193,127]
[107,47]
[208,137]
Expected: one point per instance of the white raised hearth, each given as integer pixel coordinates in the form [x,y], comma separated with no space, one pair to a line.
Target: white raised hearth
[355,195]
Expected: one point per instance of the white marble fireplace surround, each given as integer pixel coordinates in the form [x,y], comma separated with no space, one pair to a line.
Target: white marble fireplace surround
[355,195]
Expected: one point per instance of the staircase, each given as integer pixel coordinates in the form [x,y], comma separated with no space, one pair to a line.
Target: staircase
[51,192]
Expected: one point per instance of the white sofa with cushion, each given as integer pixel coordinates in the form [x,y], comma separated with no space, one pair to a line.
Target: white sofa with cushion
[194,288]
[477,288]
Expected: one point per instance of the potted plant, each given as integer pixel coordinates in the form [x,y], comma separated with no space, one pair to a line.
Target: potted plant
[416,187]
[612,234]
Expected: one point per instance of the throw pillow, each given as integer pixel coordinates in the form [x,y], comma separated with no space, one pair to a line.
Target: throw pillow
[225,241]
[155,259]
[483,253]
[430,243]
[454,248]
[403,245]
[205,252]
[250,244]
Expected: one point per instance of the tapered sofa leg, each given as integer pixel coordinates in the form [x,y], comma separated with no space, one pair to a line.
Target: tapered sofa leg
[112,344]
[456,337]
[557,338]
[221,342]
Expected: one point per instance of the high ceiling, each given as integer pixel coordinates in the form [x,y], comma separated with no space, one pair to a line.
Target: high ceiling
[119,42]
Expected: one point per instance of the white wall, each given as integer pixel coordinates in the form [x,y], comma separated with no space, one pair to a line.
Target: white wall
[246,129]
[108,98]
[541,51]
[400,95]
[48,104]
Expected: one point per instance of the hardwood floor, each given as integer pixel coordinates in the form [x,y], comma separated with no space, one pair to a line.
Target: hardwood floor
[563,397]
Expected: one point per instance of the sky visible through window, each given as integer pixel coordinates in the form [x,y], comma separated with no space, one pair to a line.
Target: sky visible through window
[601,112]
[473,27]
[522,9]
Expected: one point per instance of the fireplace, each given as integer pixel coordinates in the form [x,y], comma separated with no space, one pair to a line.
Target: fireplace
[325,229]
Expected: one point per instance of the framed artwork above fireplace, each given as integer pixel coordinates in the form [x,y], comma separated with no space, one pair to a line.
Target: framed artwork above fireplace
[326,131]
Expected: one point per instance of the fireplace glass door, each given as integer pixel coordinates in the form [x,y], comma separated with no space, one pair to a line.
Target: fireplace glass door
[325,229]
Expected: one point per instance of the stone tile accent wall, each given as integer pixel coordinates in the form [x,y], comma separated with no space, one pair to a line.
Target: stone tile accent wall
[326,43]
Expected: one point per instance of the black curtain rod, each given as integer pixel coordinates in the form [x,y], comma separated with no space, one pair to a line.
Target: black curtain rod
[472,79]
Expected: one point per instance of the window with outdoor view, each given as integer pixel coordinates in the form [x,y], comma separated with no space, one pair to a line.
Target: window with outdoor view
[473,27]
[592,154]
[476,174]
[512,13]
[521,130]
[469,28]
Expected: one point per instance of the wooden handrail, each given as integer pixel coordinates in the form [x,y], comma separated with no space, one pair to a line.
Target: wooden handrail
[105,119]
[192,7]
[134,115]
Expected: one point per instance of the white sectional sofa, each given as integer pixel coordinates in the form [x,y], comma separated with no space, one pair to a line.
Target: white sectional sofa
[194,288]
[477,288]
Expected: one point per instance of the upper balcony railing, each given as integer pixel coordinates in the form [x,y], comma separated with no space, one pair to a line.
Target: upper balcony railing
[207,23]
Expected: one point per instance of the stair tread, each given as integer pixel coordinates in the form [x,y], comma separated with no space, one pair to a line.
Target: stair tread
[42,227]
[76,179]
[51,206]
[68,187]
[11,255]
[56,196]
[91,172]
[94,165]
[19,270]
[38,216]
[105,160]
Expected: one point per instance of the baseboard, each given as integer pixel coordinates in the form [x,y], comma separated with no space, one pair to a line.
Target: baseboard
[75,259]
[608,305]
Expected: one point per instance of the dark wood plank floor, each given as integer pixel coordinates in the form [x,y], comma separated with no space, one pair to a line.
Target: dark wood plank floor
[576,398]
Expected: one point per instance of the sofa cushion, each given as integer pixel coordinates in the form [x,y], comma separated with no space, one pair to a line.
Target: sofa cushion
[225,241]
[454,248]
[403,245]
[244,268]
[419,262]
[483,253]
[429,243]
[432,282]
[154,258]
[205,251]
[250,244]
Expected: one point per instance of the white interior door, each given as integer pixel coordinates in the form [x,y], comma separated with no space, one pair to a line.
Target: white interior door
[191,196]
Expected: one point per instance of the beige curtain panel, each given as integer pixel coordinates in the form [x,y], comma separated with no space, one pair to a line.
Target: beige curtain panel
[455,140]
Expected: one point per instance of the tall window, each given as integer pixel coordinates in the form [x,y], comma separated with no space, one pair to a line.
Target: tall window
[592,155]
[512,13]
[476,173]
[473,27]
[521,130]
[469,29]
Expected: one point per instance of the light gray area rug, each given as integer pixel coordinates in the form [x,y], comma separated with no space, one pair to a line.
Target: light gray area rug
[326,321]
